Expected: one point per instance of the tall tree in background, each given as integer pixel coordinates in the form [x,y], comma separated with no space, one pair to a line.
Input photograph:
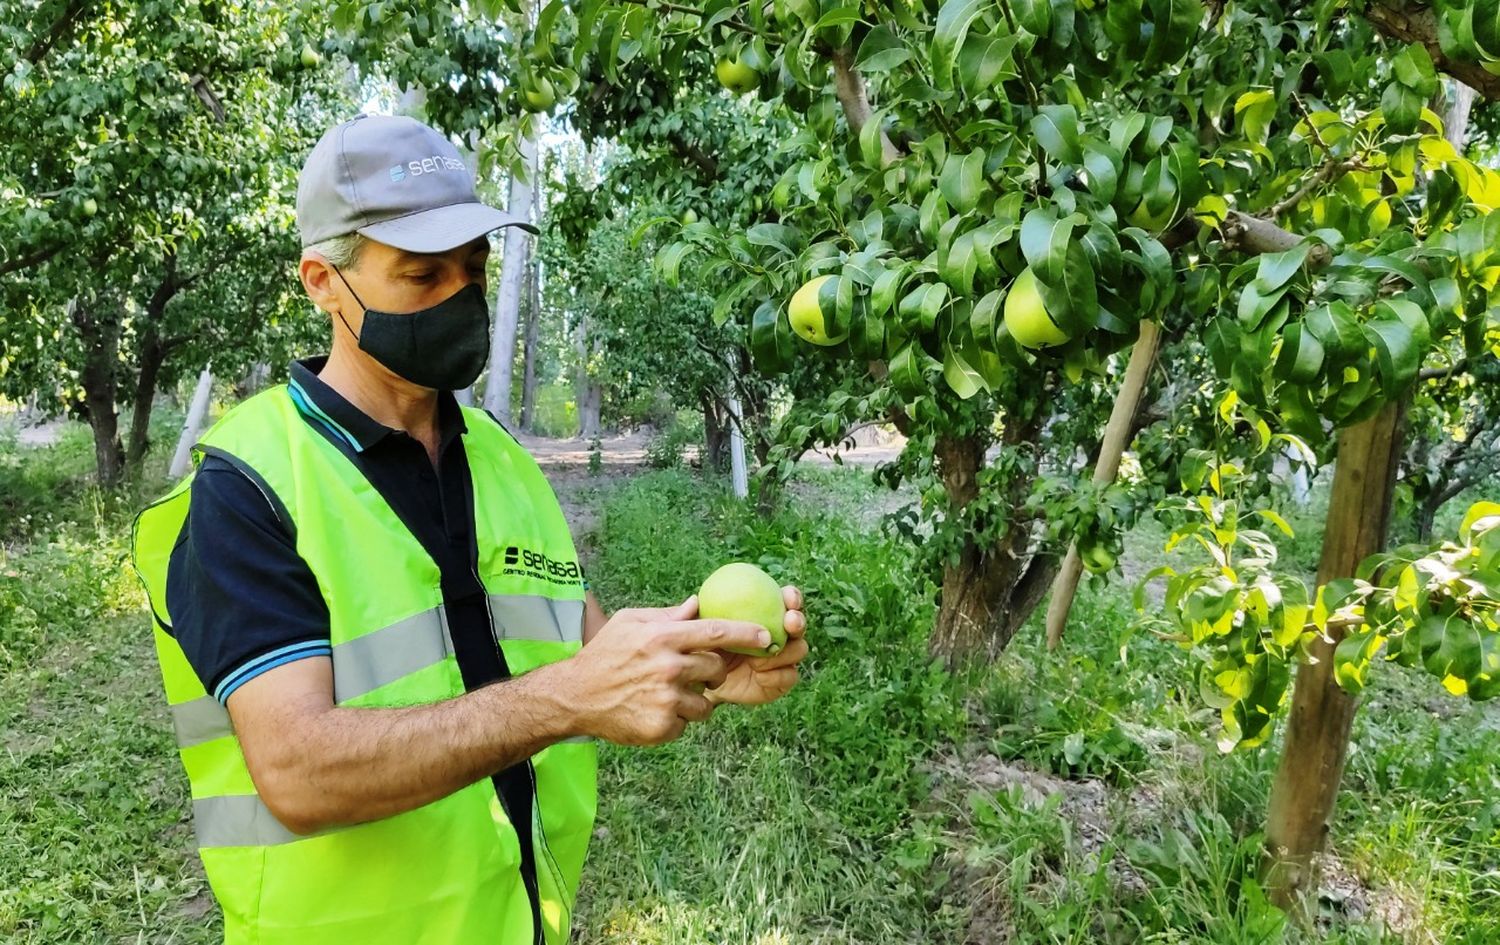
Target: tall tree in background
[146,203]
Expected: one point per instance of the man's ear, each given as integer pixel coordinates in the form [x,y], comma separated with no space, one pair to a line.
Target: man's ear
[318,281]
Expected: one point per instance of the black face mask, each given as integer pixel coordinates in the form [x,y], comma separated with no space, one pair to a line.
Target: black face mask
[443,347]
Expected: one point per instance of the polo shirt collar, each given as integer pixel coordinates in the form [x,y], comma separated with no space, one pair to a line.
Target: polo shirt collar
[318,403]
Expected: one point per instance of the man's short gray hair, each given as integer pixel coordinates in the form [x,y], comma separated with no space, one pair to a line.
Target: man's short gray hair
[342,252]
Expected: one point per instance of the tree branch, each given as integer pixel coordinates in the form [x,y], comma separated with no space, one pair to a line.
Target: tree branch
[732,22]
[702,159]
[1460,366]
[60,30]
[1255,235]
[849,86]
[34,259]
[1330,169]
[1419,25]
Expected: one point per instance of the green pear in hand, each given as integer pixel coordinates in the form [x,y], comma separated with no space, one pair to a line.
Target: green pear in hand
[741,591]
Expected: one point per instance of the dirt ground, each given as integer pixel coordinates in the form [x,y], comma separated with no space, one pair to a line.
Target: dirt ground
[566,463]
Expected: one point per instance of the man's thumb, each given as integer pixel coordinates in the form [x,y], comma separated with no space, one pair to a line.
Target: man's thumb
[686,610]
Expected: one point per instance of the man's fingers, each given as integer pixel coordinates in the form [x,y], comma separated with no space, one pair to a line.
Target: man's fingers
[686,610]
[791,596]
[705,669]
[686,636]
[791,655]
[694,708]
[778,680]
[795,623]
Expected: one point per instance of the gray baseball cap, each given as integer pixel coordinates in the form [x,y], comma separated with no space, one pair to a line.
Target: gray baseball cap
[396,181]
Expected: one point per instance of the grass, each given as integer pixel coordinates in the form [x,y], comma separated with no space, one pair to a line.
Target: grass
[1049,798]
[94,842]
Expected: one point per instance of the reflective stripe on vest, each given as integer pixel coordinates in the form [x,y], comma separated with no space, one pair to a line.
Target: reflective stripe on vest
[366,663]
[389,647]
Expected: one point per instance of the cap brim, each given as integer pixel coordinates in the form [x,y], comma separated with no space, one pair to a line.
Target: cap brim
[441,228]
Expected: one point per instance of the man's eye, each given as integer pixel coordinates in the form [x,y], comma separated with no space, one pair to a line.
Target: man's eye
[419,276]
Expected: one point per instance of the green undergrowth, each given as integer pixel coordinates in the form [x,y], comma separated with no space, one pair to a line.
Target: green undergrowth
[94,841]
[1069,797]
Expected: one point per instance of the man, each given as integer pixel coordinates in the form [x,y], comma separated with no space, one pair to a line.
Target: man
[384,667]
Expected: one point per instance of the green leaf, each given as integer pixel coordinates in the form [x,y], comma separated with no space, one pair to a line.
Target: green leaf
[838,16]
[1056,129]
[1035,16]
[934,214]
[777,236]
[1072,300]
[669,261]
[985,318]
[546,27]
[937,294]
[983,59]
[1351,660]
[881,51]
[1399,334]
[1253,112]
[906,374]
[1402,108]
[1336,69]
[953,21]
[725,303]
[1102,161]
[1223,339]
[1158,131]
[962,180]
[810,179]
[1277,269]
[961,377]
[919,308]
[957,265]
[770,338]
[1124,131]
[867,333]
[1044,242]
[1301,356]
[1336,327]
[871,147]
[1413,68]
[1255,305]
[883,294]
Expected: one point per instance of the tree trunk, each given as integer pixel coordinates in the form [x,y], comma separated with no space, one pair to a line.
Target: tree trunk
[1427,511]
[715,436]
[533,328]
[587,392]
[192,424]
[101,344]
[153,355]
[513,266]
[1117,436]
[977,618]
[1317,734]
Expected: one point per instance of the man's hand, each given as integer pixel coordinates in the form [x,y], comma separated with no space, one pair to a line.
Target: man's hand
[751,681]
[640,679]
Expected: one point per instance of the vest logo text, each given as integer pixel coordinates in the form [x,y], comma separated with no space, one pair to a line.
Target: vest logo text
[524,561]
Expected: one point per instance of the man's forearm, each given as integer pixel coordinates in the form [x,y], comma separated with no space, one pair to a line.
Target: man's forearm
[338,766]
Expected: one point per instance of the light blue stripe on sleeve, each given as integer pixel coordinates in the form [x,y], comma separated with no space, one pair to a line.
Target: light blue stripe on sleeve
[266,661]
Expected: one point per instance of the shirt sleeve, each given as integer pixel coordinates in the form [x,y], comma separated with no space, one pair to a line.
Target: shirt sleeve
[241,598]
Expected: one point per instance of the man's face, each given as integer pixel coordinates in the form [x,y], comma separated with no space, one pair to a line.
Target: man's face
[392,280]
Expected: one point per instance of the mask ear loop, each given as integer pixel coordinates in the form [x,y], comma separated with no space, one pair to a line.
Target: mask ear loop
[356,298]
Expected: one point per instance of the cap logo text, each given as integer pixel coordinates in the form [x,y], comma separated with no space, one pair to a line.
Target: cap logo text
[431,165]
